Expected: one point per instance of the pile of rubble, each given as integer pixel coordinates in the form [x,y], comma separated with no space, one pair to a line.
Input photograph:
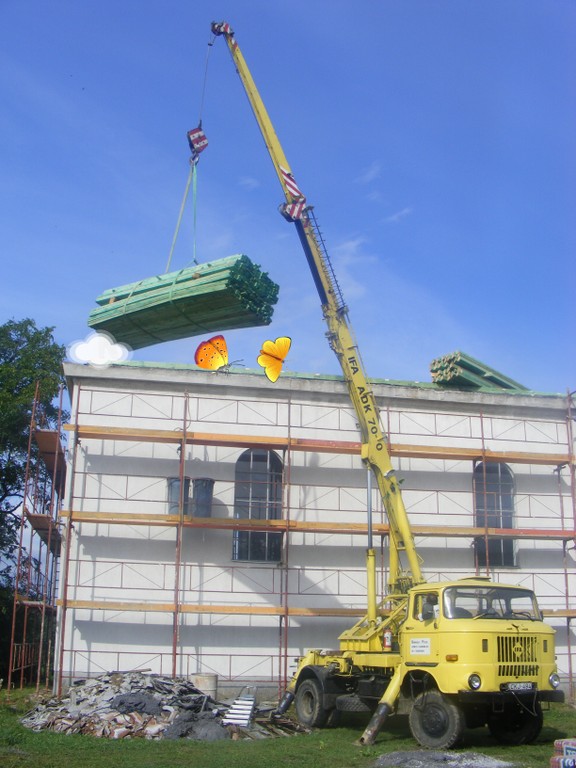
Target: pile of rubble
[123,705]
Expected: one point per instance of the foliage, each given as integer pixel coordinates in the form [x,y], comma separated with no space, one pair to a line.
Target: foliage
[29,357]
[329,748]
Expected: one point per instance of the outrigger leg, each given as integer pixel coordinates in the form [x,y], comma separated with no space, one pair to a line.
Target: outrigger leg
[284,705]
[384,708]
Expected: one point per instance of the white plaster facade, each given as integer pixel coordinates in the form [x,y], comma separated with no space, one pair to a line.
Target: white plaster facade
[142,587]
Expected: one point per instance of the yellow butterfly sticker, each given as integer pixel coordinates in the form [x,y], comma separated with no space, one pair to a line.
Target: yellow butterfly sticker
[272,355]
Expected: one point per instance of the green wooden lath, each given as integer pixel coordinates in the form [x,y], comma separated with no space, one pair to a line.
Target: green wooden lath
[206,298]
[459,370]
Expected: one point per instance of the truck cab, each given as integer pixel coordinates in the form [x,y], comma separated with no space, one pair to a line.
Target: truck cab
[479,653]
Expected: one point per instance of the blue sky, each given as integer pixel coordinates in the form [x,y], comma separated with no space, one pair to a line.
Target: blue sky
[435,138]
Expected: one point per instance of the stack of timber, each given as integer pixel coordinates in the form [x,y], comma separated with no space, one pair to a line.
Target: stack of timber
[460,370]
[217,296]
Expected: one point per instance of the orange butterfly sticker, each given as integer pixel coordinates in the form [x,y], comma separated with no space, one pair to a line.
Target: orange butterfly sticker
[212,354]
[272,355]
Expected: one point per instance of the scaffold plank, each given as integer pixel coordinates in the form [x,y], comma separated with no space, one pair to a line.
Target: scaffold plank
[303,526]
[229,609]
[47,529]
[344,447]
[246,610]
[52,454]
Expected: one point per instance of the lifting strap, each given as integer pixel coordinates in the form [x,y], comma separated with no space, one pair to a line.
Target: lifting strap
[198,142]
[191,177]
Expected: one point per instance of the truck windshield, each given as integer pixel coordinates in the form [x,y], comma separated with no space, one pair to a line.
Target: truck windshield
[490,602]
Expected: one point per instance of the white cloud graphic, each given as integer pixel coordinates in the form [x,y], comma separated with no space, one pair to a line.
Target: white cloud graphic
[99,350]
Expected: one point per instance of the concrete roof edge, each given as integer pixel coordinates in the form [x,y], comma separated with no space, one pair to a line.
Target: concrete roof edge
[179,372]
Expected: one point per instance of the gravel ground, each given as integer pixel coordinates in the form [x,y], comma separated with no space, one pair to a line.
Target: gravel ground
[424,758]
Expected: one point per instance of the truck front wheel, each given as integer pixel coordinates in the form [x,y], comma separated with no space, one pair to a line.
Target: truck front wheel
[517,726]
[309,706]
[435,722]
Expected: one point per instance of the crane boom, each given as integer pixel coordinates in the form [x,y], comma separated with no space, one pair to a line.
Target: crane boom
[374,451]
[436,652]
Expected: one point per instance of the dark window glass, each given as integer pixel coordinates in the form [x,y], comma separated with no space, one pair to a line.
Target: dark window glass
[494,508]
[258,496]
[202,493]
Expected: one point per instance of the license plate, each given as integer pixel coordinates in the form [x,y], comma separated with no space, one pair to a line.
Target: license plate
[520,686]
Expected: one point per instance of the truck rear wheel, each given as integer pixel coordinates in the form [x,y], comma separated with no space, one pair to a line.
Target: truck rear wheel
[435,722]
[309,705]
[517,726]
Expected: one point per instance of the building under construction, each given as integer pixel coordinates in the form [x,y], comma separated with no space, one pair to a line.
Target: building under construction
[216,525]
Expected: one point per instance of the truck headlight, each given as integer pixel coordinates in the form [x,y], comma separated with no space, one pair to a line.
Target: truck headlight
[554,680]
[474,681]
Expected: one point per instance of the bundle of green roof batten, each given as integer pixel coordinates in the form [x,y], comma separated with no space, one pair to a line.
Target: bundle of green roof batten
[460,370]
[216,296]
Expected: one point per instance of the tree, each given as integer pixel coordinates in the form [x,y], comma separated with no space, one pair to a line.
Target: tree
[28,356]
[30,365]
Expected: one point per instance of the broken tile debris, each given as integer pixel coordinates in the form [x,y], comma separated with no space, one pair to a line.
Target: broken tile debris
[126,705]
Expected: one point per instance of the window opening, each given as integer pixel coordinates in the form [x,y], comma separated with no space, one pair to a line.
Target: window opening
[494,508]
[490,602]
[202,493]
[426,607]
[258,496]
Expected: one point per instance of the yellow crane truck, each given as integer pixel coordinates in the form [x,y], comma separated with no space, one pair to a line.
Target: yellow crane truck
[451,655]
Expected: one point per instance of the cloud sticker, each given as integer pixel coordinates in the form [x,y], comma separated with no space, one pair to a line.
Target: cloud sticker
[99,350]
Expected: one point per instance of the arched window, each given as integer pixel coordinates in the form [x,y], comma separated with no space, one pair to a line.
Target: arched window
[258,496]
[494,508]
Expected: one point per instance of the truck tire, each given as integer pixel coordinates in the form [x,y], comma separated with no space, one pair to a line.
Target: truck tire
[435,722]
[309,706]
[351,703]
[517,726]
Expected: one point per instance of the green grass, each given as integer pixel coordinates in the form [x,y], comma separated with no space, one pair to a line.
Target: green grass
[330,748]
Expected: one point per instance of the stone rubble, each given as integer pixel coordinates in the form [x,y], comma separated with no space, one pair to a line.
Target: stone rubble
[126,705]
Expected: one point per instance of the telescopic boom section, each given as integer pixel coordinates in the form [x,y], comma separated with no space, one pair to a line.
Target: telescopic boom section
[374,445]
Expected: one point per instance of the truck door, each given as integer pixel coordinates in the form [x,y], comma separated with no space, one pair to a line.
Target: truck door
[421,630]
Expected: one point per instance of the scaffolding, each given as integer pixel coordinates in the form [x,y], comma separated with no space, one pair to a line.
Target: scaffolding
[31,659]
[562,607]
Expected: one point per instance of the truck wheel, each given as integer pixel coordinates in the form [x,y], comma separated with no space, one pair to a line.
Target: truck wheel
[518,726]
[435,722]
[308,702]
